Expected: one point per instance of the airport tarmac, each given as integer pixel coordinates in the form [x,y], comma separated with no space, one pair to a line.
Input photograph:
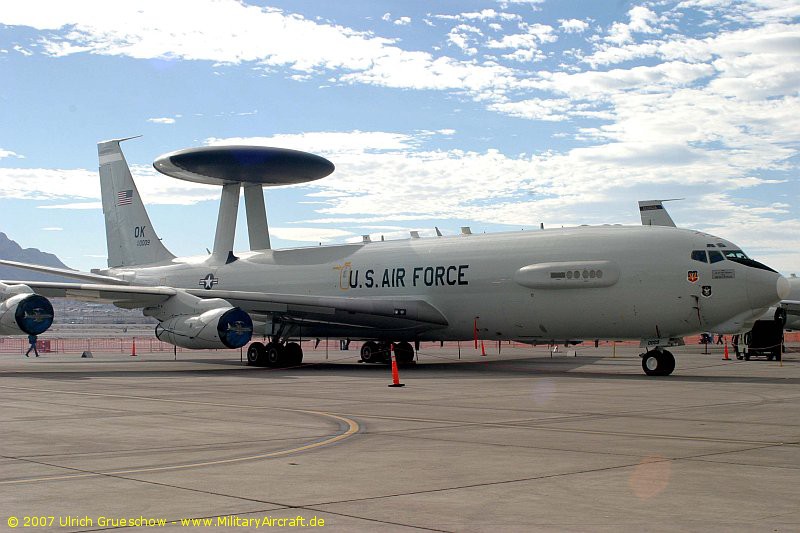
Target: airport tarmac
[519,441]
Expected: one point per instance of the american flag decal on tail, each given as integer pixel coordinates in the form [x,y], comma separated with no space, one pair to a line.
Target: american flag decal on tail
[125,197]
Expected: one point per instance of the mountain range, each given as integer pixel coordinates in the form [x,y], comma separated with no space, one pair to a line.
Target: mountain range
[9,249]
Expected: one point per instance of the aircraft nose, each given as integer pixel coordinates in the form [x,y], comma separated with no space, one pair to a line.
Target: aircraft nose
[765,288]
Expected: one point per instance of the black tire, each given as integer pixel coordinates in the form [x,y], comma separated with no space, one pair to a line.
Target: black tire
[256,354]
[293,354]
[747,357]
[669,362]
[650,363]
[658,363]
[369,352]
[403,353]
[778,355]
[274,355]
[770,357]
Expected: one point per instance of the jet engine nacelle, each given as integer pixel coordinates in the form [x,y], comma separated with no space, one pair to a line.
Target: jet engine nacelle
[195,323]
[22,311]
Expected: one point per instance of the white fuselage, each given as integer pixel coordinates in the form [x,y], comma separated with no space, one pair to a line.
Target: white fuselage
[609,282]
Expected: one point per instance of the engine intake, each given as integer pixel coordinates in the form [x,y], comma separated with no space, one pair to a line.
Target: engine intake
[24,311]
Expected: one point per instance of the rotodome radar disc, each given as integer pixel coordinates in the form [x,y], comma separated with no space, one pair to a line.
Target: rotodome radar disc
[219,165]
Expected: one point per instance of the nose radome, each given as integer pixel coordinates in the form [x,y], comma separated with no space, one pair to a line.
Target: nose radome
[765,288]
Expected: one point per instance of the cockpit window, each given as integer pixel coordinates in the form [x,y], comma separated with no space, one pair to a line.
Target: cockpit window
[715,256]
[738,256]
[699,255]
[735,254]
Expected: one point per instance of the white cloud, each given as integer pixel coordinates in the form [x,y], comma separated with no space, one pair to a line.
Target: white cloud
[309,234]
[74,205]
[603,85]
[334,142]
[9,153]
[464,37]
[483,15]
[64,187]
[551,109]
[22,50]
[573,25]
[525,46]
[416,184]
[641,20]
[161,120]
[402,21]
[53,228]
[268,37]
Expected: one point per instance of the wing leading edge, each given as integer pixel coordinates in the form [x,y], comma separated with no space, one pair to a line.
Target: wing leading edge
[358,312]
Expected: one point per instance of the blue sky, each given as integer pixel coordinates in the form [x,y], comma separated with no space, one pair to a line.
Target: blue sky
[499,115]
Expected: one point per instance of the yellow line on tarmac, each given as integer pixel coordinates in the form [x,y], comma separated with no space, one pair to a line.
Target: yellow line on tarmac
[352,428]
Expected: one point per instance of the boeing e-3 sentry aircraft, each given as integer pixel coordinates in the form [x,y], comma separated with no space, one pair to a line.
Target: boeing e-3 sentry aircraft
[650,283]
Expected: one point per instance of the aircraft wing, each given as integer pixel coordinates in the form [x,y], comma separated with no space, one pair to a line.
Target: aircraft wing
[67,273]
[122,295]
[391,313]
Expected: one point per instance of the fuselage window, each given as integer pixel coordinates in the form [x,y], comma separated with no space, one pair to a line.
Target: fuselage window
[715,256]
[699,255]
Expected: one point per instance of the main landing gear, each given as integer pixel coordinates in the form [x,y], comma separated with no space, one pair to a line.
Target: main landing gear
[274,354]
[379,352]
[658,362]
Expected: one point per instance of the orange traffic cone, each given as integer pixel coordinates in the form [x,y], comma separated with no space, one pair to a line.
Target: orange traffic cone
[133,348]
[483,349]
[726,358]
[395,373]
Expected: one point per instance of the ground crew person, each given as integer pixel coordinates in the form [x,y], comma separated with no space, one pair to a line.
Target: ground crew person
[32,340]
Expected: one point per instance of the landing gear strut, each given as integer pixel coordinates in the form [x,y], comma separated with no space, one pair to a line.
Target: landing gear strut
[658,362]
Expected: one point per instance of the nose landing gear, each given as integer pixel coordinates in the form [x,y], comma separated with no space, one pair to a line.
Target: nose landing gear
[658,362]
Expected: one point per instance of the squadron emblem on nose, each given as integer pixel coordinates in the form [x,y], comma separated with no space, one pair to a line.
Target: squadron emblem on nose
[692,276]
[706,290]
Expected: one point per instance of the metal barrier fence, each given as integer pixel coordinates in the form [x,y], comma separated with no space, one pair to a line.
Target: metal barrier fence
[124,345]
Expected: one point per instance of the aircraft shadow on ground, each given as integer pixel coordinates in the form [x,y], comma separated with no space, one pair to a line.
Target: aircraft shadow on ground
[568,367]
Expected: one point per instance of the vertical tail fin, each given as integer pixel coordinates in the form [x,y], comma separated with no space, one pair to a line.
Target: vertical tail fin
[130,236]
[654,213]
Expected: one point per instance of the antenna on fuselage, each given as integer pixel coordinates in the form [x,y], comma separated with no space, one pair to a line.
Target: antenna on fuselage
[233,167]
